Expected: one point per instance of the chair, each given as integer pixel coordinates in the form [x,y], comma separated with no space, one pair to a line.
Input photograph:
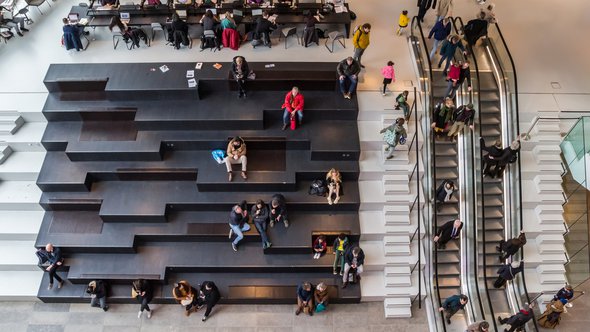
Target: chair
[333,37]
[288,31]
[157,27]
[36,3]
[118,36]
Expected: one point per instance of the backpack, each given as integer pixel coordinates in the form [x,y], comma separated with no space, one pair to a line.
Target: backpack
[218,155]
[318,187]
[352,15]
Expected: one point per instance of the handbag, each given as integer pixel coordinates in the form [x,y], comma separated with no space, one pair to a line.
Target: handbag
[186,302]
[320,307]
[134,293]
[218,155]
[293,122]
[251,75]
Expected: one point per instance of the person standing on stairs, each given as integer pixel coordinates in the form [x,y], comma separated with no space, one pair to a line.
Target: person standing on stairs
[447,51]
[493,151]
[394,135]
[464,75]
[452,305]
[450,230]
[461,116]
[260,216]
[361,40]
[511,247]
[519,319]
[478,327]
[508,272]
[444,193]
[440,31]
[444,9]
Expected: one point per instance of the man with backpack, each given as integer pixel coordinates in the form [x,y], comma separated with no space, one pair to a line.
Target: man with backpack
[361,40]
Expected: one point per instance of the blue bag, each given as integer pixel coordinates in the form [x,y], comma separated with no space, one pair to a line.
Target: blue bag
[320,307]
[218,155]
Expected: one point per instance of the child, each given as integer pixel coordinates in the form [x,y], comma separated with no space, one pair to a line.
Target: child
[319,247]
[402,102]
[403,22]
[393,135]
[388,75]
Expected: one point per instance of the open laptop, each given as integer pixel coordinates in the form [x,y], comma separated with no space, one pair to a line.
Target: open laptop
[125,17]
[73,18]
[256,13]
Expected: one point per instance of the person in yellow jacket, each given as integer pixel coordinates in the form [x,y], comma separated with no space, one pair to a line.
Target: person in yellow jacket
[361,41]
[403,22]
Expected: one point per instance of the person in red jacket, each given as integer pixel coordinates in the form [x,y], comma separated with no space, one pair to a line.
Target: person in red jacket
[293,106]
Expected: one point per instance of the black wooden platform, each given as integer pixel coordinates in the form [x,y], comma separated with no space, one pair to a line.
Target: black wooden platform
[131,191]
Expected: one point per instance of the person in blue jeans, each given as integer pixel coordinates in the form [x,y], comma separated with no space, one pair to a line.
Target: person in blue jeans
[348,70]
[440,31]
[260,216]
[238,223]
[447,51]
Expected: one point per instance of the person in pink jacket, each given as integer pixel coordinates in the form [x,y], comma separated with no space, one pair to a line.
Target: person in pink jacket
[388,75]
[293,106]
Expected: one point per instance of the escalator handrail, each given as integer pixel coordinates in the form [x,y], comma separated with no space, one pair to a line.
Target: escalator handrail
[482,192]
[416,22]
[516,112]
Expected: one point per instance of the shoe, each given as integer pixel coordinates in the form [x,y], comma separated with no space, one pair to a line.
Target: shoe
[234,247]
[284,127]
[362,66]
[347,96]
[187,313]
[500,320]
[244,176]
[344,285]
[341,274]
[24,29]
[105,309]
[449,321]
[439,65]
[19,33]
[444,73]
[268,244]
[336,200]
[230,176]
[387,148]
[244,95]
[298,311]
[272,223]
[330,201]
[310,312]
[139,314]
[149,315]
[334,272]
[231,232]
[498,247]
[60,284]
[383,94]
[50,287]
[286,222]
[204,318]
[389,157]
[264,246]
[358,277]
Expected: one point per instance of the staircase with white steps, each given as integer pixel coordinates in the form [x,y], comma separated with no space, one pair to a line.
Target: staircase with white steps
[387,196]
[21,156]
[542,208]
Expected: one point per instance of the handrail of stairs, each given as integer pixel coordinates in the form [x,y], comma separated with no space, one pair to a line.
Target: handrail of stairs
[526,135]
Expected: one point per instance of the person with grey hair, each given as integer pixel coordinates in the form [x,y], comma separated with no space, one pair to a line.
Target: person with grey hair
[508,272]
[52,256]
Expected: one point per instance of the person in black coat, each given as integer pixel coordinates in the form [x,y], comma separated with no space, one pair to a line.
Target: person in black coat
[354,258]
[142,289]
[264,27]
[278,210]
[444,193]
[423,6]
[240,71]
[450,230]
[98,294]
[510,247]
[493,152]
[51,255]
[519,319]
[508,272]
[476,29]
[208,295]
[509,156]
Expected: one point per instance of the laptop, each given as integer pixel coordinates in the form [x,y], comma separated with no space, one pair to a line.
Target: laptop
[213,10]
[256,12]
[125,17]
[73,18]
[238,16]
[181,14]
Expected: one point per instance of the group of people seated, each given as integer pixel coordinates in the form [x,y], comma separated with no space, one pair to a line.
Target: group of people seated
[11,24]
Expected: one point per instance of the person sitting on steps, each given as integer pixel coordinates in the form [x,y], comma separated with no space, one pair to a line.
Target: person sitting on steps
[238,223]
[354,258]
[236,154]
[348,70]
[334,181]
[260,216]
[340,245]
[278,210]
[293,107]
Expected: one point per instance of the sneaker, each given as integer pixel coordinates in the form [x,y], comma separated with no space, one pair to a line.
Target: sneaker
[105,309]
[334,272]
[149,315]
[231,232]
[344,285]
[244,176]
[50,287]
[330,201]
[298,311]
[264,246]
[347,96]
[449,321]
[387,148]
[24,29]
[498,247]
[244,94]
[362,66]
[204,318]
[139,314]
[310,312]
[19,33]
[60,284]
[268,244]
[383,94]
[230,176]
[272,223]
[315,256]
[336,200]
[358,277]
[284,127]
[341,274]
[389,157]
[234,247]
[286,222]
[187,313]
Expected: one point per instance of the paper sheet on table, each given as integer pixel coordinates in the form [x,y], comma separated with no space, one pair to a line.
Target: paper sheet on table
[192,83]
[164,68]
[340,9]
[190,73]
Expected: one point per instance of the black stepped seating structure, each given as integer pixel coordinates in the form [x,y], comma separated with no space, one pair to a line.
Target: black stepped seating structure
[131,190]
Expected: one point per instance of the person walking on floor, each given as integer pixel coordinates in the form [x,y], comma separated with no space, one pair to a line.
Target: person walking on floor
[423,6]
[552,316]
[567,293]
[238,223]
[453,304]
[185,295]
[478,327]
[388,73]
[260,216]
[208,296]
[142,291]
[339,247]
[402,22]
[361,40]
[440,31]
[98,294]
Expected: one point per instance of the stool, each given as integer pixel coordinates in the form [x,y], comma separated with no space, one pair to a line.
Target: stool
[333,37]
[289,31]
[157,27]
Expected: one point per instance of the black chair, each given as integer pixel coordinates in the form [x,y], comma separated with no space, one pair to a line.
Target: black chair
[36,3]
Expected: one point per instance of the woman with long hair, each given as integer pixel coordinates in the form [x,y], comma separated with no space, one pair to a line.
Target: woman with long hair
[334,181]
